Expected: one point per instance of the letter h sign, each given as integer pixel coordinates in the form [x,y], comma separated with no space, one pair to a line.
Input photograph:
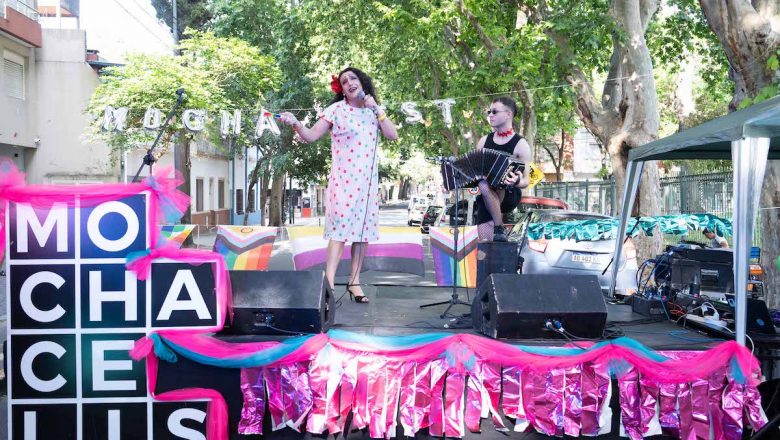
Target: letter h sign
[74,311]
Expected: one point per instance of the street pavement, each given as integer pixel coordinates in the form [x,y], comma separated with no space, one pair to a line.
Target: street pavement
[391,214]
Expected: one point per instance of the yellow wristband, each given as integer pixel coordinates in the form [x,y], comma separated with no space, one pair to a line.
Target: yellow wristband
[381,117]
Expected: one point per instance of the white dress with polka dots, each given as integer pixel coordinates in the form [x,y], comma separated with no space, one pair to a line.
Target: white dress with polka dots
[352,209]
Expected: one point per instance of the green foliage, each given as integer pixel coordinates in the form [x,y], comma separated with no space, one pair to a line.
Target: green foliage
[216,73]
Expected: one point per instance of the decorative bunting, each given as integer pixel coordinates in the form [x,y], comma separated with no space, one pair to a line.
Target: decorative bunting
[606,229]
[448,383]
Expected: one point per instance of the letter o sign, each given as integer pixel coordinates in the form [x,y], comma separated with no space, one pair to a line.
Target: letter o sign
[120,243]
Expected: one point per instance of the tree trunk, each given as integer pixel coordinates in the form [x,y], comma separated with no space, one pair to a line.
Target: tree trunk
[528,125]
[749,37]
[253,178]
[749,33]
[275,209]
[770,228]
[264,194]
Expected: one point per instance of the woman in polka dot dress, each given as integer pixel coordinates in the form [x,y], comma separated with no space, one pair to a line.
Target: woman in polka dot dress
[352,209]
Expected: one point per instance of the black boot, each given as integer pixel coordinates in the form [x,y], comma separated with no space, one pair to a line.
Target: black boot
[499,233]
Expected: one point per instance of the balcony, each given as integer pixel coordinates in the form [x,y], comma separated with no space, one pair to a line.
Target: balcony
[19,19]
[59,14]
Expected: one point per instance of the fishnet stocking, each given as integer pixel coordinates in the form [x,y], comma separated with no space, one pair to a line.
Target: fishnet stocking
[492,199]
[485,231]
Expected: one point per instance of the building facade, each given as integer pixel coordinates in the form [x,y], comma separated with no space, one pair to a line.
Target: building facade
[52,52]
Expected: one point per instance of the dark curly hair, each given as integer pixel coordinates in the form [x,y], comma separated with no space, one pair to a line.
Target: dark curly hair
[365,81]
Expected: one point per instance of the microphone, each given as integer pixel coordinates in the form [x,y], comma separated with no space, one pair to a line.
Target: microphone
[361,95]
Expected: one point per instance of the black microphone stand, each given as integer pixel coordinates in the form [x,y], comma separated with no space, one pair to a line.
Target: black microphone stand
[454,300]
[149,157]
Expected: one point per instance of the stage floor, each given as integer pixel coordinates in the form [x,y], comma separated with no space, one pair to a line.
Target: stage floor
[395,310]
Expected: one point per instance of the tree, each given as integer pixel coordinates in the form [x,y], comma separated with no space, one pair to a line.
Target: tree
[217,74]
[473,50]
[560,154]
[192,14]
[749,32]
[585,35]
[277,28]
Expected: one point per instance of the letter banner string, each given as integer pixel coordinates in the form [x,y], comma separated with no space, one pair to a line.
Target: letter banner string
[166,205]
[448,382]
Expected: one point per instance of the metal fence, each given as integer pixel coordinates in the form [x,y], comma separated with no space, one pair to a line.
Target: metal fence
[681,194]
[590,195]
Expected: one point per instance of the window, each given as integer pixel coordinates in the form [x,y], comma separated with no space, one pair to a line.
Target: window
[198,195]
[239,201]
[13,73]
[221,194]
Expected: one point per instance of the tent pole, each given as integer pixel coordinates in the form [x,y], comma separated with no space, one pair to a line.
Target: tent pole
[633,175]
[749,156]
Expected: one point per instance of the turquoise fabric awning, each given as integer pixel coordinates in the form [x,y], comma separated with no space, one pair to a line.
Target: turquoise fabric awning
[607,229]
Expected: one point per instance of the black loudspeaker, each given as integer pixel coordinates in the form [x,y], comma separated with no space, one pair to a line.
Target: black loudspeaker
[516,306]
[495,257]
[280,302]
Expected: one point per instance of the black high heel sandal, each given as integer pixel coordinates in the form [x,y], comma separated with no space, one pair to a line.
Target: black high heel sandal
[360,299]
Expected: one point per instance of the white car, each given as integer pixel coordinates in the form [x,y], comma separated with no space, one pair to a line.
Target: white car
[417,207]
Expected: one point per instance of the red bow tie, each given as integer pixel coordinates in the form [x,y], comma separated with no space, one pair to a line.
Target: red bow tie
[505,133]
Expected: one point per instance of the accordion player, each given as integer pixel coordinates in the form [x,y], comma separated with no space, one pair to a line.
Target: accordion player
[467,170]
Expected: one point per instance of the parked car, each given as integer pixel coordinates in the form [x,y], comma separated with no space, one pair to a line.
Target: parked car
[556,256]
[432,217]
[526,203]
[417,207]
[463,206]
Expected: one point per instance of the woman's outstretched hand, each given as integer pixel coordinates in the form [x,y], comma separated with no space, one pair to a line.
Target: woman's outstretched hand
[288,118]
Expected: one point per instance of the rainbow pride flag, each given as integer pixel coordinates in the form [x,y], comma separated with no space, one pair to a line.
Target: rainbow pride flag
[176,233]
[442,244]
[245,247]
[398,250]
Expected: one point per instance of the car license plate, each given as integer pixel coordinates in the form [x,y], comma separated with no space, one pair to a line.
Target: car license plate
[585,258]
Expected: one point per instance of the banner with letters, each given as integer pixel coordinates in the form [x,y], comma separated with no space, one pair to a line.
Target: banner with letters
[85,280]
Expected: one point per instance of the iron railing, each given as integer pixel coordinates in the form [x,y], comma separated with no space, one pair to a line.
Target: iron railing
[681,194]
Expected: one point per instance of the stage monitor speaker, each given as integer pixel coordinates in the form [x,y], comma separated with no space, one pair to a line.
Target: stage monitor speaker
[495,257]
[513,306]
[280,302]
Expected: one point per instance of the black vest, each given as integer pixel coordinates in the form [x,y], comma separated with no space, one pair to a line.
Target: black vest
[508,148]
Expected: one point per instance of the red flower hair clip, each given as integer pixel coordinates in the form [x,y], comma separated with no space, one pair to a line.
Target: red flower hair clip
[335,85]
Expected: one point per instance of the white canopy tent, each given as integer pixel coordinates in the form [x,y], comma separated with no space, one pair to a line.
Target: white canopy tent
[748,137]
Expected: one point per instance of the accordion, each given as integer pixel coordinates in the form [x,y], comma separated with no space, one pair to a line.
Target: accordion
[476,165]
